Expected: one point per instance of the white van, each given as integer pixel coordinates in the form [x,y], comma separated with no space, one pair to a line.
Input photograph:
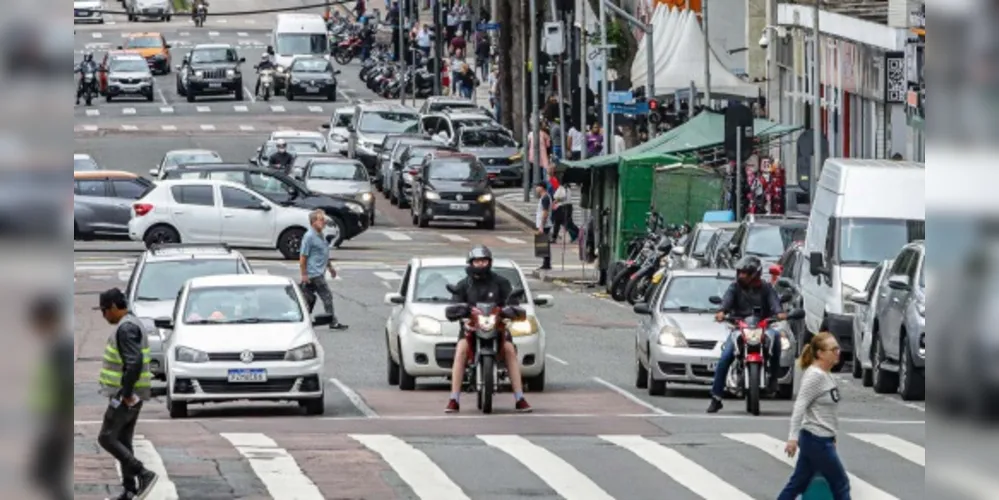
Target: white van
[298,35]
[864,211]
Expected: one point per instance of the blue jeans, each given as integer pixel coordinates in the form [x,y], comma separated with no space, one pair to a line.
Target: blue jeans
[817,455]
[728,356]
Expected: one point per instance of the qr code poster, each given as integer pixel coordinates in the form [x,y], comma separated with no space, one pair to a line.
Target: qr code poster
[896,85]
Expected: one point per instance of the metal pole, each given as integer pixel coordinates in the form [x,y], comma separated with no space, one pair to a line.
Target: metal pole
[738,173]
[436,12]
[609,147]
[562,97]
[403,7]
[813,179]
[583,81]
[402,32]
[650,62]
[524,161]
[707,56]
[493,8]
[772,71]
[535,84]
[603,83]
[690,101]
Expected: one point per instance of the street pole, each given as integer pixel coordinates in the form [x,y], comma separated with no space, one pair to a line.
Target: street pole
[650,62]
[404,6]
[738,174]
[583,81]
[436,12]
[707,57]
[603,82]
[772,71]
[535,104]
[813,179]
[562,97]
[525,130]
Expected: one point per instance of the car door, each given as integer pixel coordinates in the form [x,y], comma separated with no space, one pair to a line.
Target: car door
[271,187]
[889,307]
[97,207]
[732,251]
[863,315]
[647,323]
[429,125]
[196,213]
[247,219]
[124,193]
[396,312]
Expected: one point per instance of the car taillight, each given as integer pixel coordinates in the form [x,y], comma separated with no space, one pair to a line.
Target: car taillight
[413,171]
[142,209]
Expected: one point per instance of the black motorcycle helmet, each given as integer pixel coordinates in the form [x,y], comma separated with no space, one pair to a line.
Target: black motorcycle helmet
[748,270]
[479,252]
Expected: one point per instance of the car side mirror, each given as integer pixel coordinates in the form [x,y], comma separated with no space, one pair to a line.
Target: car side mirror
[178,67]
[154,172]
[642,308]
[677,251]
[816,266]
[517,295]
[350,128]
[325,126]
[899,283]
[859,298]
[544,300]
[164,323]
[120,47]
[455,312]
[733,248]
[254,161]
[394,299]
[714,299]
[242,60]
[167,46]
[452,289]
[322,320]
[796,314]
[336,72]
[262,207]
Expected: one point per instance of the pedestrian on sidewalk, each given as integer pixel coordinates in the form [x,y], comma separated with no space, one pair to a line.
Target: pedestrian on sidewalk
[556,135]
[467,81]
[563,214]
[126,381]
[494,91]
[594,142]
[313,263]
[457,59]
[815,422]
[619,145]
[452,22]
[482,52]
[464,17]
[458,44]
[543,219]
[575,143]
[423,40]
[537,169]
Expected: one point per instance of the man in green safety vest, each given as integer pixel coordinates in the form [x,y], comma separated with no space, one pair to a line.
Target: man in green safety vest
[126,380]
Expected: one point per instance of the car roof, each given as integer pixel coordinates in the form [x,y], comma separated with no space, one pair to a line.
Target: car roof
[720,225]
[142,33]
[187,251]
[82,156]
[394,108]
[190,152]
[703,272]
[458,261]
[286,134]
[239,280]
[213,46]
[125,54]
[464,114]
[100,174]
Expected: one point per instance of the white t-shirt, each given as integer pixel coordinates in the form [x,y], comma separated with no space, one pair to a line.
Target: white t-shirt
[578,140]
[619,144]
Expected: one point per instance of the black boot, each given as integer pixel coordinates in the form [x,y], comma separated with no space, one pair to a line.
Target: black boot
[715,405]
[147,479]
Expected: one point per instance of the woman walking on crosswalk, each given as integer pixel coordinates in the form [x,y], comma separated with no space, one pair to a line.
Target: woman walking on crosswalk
[814,422]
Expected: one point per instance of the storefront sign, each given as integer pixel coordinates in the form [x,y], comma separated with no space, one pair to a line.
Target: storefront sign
[896,84]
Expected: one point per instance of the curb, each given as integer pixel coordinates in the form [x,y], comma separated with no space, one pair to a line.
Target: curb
[516,214]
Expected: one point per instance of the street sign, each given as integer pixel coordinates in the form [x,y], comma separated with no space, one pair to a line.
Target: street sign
[488,27]
[620,97]
[639,108]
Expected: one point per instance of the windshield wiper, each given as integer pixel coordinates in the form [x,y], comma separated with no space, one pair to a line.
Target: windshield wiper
[245,321]
[758,254]
[203,322]
[141,298]
[434,299]
[858,262]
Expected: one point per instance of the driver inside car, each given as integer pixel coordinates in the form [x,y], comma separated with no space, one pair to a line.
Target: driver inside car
[748,293]
[482,285]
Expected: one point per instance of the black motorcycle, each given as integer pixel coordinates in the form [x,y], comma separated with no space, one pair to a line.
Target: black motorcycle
[200,14]
[90,90]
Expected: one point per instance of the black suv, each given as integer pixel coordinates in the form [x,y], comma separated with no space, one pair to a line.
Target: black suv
[763,236]
[349,216]
[406,167]
[210,69]
[452,187]
[496,148]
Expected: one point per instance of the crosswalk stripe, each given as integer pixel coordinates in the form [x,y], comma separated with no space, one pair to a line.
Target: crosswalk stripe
[146,453]
[208,127]
[93,112]
[129,127]
[557,473]
[316,109]
[213,33]
[277,109]
[166,109]
[240,109]
[682,469]
[396,236]
[454,237]
[861,490]
[423,476]
[909,451]
[275,467]
[169,127]
[246,128]
[507,239]
[242,33]
[203,109]
[388,275]
[128,111]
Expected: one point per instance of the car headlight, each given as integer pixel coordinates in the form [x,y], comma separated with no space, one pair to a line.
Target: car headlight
[921,309]
[785,343]
[365,197]
[295,81]
[754,336]
[525,327]
[302,353]
[229,73]
[848,306]
[517,157]
[188,355]
[432,195]
[354,207]
[486,198]
[425,325]
[280,69]
[671,337]
[199,74]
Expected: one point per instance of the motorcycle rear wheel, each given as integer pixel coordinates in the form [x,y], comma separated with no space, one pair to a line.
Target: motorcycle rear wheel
[753,394]
[619,284]
[636,288]
[343,57]
[488,383]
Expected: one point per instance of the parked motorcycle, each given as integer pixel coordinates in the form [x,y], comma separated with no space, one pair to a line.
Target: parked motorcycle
[200,14]
[347,50]
[638,249]
[748,375]
[266,77]
[484,324]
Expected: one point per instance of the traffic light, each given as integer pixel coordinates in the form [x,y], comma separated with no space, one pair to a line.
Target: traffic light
[655,115]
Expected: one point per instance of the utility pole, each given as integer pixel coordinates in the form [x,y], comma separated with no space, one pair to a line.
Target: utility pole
[603,83]
[813,179]
[404,6]
[707,57]
[535,126]
[583,81]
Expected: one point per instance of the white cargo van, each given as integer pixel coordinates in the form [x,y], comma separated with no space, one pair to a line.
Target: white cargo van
[297,35]
[864,211]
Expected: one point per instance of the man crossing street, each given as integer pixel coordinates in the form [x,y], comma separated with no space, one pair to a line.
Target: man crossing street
[313,263]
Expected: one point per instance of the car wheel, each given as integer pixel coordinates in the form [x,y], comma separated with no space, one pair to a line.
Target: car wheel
[856,370]
[149,96]
[656,387]
[641,375]
[290,243]
[108,98]
[407,382]
[911,382]
[393,199]
[336,228]
[393,367]
[422,219]
[488,224]
[288,95]
[537,382]
[190,96]
[160,233]
[314,406]
[177,409]
[332,96]
[885,382]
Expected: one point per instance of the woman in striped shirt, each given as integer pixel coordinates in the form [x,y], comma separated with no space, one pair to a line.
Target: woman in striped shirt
[814,422]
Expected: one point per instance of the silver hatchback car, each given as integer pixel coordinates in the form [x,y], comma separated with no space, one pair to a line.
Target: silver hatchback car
[899,333]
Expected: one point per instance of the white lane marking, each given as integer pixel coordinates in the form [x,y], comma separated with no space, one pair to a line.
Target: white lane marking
[557,360]
[208,127]
[251,21]
[775,448]
[251,95]
[277,109]
[169,128]
[961,479]
[147,454]
[128,111]
[240,109]
[275,467]
[213,33]
[96,35]
[246,128]
[454,238]
[354,398]
[163,98]
[130,128]
[507,239]
[682,469]
[426,479]
[316,109]
[166,109]
[568,482]
[222,21]
[90,128]
[909,451]
[184,33]
[388,275]
[93,112]
[203,109]
[345,96]
[633,398]
[396,236]
[242,33]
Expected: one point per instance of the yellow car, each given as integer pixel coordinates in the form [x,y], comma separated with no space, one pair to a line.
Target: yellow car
[151,46]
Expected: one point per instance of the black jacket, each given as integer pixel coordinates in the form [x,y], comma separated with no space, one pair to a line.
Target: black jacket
[129,339]
[493,289]
[740,302]
[282,159]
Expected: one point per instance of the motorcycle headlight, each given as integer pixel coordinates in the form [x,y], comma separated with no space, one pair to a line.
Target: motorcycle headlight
[229,73]
[425,325]
[280,69]
[354,207]
[785,343]
[487,322]
[188,355]
[671,337]
[753,336]
[432,195]
[301,353]
[199,74]
[365,197]
[486,198]
[295,81]
[525,327]
[848,306]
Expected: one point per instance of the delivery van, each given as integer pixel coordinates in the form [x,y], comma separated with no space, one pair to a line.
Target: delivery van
[297,35]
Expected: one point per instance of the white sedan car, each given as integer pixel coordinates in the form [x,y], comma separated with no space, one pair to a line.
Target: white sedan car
[302,136]
[243,337]
[421,342]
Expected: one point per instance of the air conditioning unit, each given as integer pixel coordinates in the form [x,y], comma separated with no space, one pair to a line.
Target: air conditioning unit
[553,39]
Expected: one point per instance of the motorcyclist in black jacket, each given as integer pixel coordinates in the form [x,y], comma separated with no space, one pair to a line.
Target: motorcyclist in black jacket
[194,8]
[266,62]
[281,158]
[85,66]
[747,293]
[482,285]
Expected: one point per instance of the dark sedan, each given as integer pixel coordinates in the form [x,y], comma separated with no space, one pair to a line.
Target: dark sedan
[312,77]
[453,189]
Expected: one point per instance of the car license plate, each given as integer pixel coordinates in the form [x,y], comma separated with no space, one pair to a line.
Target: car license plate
[247,375]
[312,90]
[459,206]
[215,85]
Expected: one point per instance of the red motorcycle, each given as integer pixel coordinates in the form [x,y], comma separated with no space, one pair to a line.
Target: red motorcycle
[347,50]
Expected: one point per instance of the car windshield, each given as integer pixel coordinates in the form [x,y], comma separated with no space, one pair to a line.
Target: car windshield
[294,147]
[387,122]
[441,106]
[338,172]
[343,119]
[84,164]
[470,122]
[243,305]
[867,242]
[490,138]
[213,56]
[144,42]
[162,280]
[691,293]
[301,44]
[129,65]
[456,171]
[173,159]
[431,282]
[311,65]
[703,238]
[922,274]
[772,241]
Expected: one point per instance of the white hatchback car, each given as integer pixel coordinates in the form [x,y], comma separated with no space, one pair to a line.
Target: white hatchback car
[243,337]
[302,136]
[421,341]
[214,211]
